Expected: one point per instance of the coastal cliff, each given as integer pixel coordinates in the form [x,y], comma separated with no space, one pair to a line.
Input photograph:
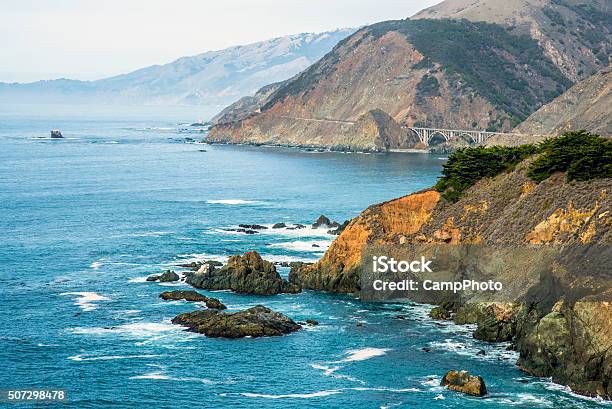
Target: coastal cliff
[562,325]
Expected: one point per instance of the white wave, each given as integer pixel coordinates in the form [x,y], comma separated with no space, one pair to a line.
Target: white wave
[86,300]
[129,312]
[493,352]
[433,383]
[525,399]
[109,357]
[331,371]
[305,246]
[138,279]
[163,376]
[275,258]
[96,265]
[232,202]
[363,354]
[329,392]
[138,329]
[550,385]
[195,257]
[318,394]
[439,397]
[382,389]
[289,231]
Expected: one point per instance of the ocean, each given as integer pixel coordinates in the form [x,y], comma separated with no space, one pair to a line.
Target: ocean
[127,194]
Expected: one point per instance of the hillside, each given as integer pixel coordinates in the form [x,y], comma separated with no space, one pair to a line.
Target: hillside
[438,73]
[575,34]
[534,223]
[215,77]
[587,105]
[476,64]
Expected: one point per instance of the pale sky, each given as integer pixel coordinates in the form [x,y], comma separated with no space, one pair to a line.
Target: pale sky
[91,39]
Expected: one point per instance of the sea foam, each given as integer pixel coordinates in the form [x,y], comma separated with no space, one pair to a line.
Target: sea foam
[87,300]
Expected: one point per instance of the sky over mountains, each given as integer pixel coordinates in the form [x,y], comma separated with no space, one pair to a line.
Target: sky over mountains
[210,78]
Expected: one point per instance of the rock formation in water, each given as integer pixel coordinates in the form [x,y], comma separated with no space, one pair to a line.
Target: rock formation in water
[190,295]
[258,321]
[247,274]
[462,381]
[165,277]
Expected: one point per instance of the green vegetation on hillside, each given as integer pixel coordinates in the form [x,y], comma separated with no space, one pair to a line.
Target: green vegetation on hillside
[428,87]
[581,155]
[467,166]
[511,71]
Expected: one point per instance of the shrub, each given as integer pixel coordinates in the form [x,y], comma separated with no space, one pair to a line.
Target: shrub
[580,154]
[467,166]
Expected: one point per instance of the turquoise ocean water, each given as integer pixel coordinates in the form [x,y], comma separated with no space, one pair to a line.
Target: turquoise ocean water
[85,219]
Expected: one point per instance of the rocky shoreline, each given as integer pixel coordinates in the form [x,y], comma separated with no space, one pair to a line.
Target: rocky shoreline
[565,338]
[560,320]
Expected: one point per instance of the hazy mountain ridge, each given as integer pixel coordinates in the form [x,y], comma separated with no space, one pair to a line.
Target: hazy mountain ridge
[215,77]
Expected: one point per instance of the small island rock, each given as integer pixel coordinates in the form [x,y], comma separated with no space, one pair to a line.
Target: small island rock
[247,274]
[462,381]
[257,321]
[190,295]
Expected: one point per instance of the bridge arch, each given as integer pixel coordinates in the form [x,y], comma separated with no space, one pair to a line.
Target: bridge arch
[437,137]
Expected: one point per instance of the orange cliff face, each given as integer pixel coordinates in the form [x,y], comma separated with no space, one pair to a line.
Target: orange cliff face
[506,210]
[337,270]
[563,334]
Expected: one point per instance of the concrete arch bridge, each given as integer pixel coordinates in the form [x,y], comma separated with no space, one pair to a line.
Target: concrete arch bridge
[426,135]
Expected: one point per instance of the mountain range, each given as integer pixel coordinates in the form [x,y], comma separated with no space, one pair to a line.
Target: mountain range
[462,64]
[210,78]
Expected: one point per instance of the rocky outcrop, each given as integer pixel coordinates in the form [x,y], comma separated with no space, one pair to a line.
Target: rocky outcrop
[190,295]
[258,321]
[338,271]
[165,277]
[571,343]
[247,274]
[560,319]
[462,381]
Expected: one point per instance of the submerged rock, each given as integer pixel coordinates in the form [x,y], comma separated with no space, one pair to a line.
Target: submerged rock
[258,321]
[196,265]
[253,226]
[190,295]
[462,381]
[297,227]
[248,274]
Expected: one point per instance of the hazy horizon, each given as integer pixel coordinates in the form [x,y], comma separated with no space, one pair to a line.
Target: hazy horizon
[92,40]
